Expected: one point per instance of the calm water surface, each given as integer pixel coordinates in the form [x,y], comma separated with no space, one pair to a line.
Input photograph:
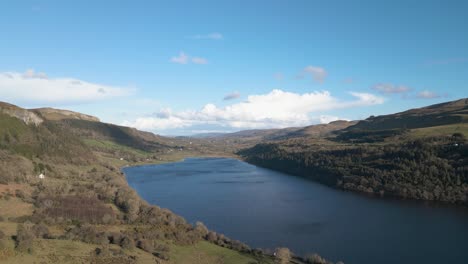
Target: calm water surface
[267,209]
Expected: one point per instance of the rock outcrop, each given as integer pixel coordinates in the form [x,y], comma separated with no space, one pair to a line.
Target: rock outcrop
[25,115]
[58,114]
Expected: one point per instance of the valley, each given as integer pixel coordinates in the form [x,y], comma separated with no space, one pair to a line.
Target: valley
[81,160]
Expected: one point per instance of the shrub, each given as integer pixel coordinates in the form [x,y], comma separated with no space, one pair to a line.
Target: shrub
[40,231]
[87,234]
[145,245]
[162,255]
[212,237]
[315,259]
[201,229]
[283,255]
[127,243]
[20,194]
[24,238]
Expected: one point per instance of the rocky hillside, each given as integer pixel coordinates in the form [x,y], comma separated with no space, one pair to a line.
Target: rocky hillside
[58,114]
[24,115]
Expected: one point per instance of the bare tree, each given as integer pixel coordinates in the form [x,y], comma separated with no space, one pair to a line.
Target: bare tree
[283,255]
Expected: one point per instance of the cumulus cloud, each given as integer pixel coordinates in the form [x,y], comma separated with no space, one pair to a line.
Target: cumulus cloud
[275,109]
[33,87]
[212,36]
[427,95]
[31,74]
[318,73]
[388,88]
[183,58]
[231,96]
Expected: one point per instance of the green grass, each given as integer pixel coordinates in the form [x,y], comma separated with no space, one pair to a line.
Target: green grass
[51,251]
[440,130]
[207,253]
[112,146]
[11,126]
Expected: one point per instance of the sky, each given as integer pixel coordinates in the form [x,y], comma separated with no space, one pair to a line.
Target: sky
[189,67]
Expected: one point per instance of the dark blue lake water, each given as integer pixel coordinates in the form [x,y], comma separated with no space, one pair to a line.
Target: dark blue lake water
[268,209]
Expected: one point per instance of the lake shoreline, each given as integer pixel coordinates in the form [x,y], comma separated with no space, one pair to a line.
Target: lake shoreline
[209,199]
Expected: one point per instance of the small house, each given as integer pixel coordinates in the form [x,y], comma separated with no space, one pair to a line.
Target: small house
[41,176]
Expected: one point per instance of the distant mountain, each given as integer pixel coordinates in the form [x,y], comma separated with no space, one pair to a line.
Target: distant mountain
[206,135]
[316,131]
[259,135]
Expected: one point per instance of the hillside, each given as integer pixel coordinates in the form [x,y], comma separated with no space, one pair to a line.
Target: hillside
[63,198]
[58,114]
[448,113]
[418,154]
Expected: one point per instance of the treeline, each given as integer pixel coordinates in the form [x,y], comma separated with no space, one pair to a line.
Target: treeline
[433,168]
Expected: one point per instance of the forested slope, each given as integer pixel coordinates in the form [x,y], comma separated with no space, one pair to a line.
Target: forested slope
[426,162]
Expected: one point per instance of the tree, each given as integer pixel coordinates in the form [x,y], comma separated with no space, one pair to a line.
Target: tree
[40,230]
[201,228]
[316,259]
[127,243]
[283,255]
[24,238]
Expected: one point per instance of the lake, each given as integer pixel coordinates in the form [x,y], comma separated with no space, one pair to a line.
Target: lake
[267,209]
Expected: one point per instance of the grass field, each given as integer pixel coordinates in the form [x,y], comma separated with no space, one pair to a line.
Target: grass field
[14,207]
[207,253]
[440,130]
[51,251]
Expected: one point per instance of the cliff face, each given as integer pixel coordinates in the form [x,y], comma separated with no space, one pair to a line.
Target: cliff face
[25,115]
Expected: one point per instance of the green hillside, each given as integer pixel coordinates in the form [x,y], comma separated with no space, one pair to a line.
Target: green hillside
[448,113]
[418,154]
[82,210]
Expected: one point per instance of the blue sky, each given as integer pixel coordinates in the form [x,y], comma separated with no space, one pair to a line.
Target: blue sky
[166,66]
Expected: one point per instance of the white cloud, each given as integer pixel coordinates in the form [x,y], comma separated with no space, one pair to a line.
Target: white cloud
[325,119]
[231,96]
[388,88]
[183,58]
[212,36]
[198,60]
[35,88]
[364,99]
[318,73]
[275,109]
[427,95]
[31,74]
